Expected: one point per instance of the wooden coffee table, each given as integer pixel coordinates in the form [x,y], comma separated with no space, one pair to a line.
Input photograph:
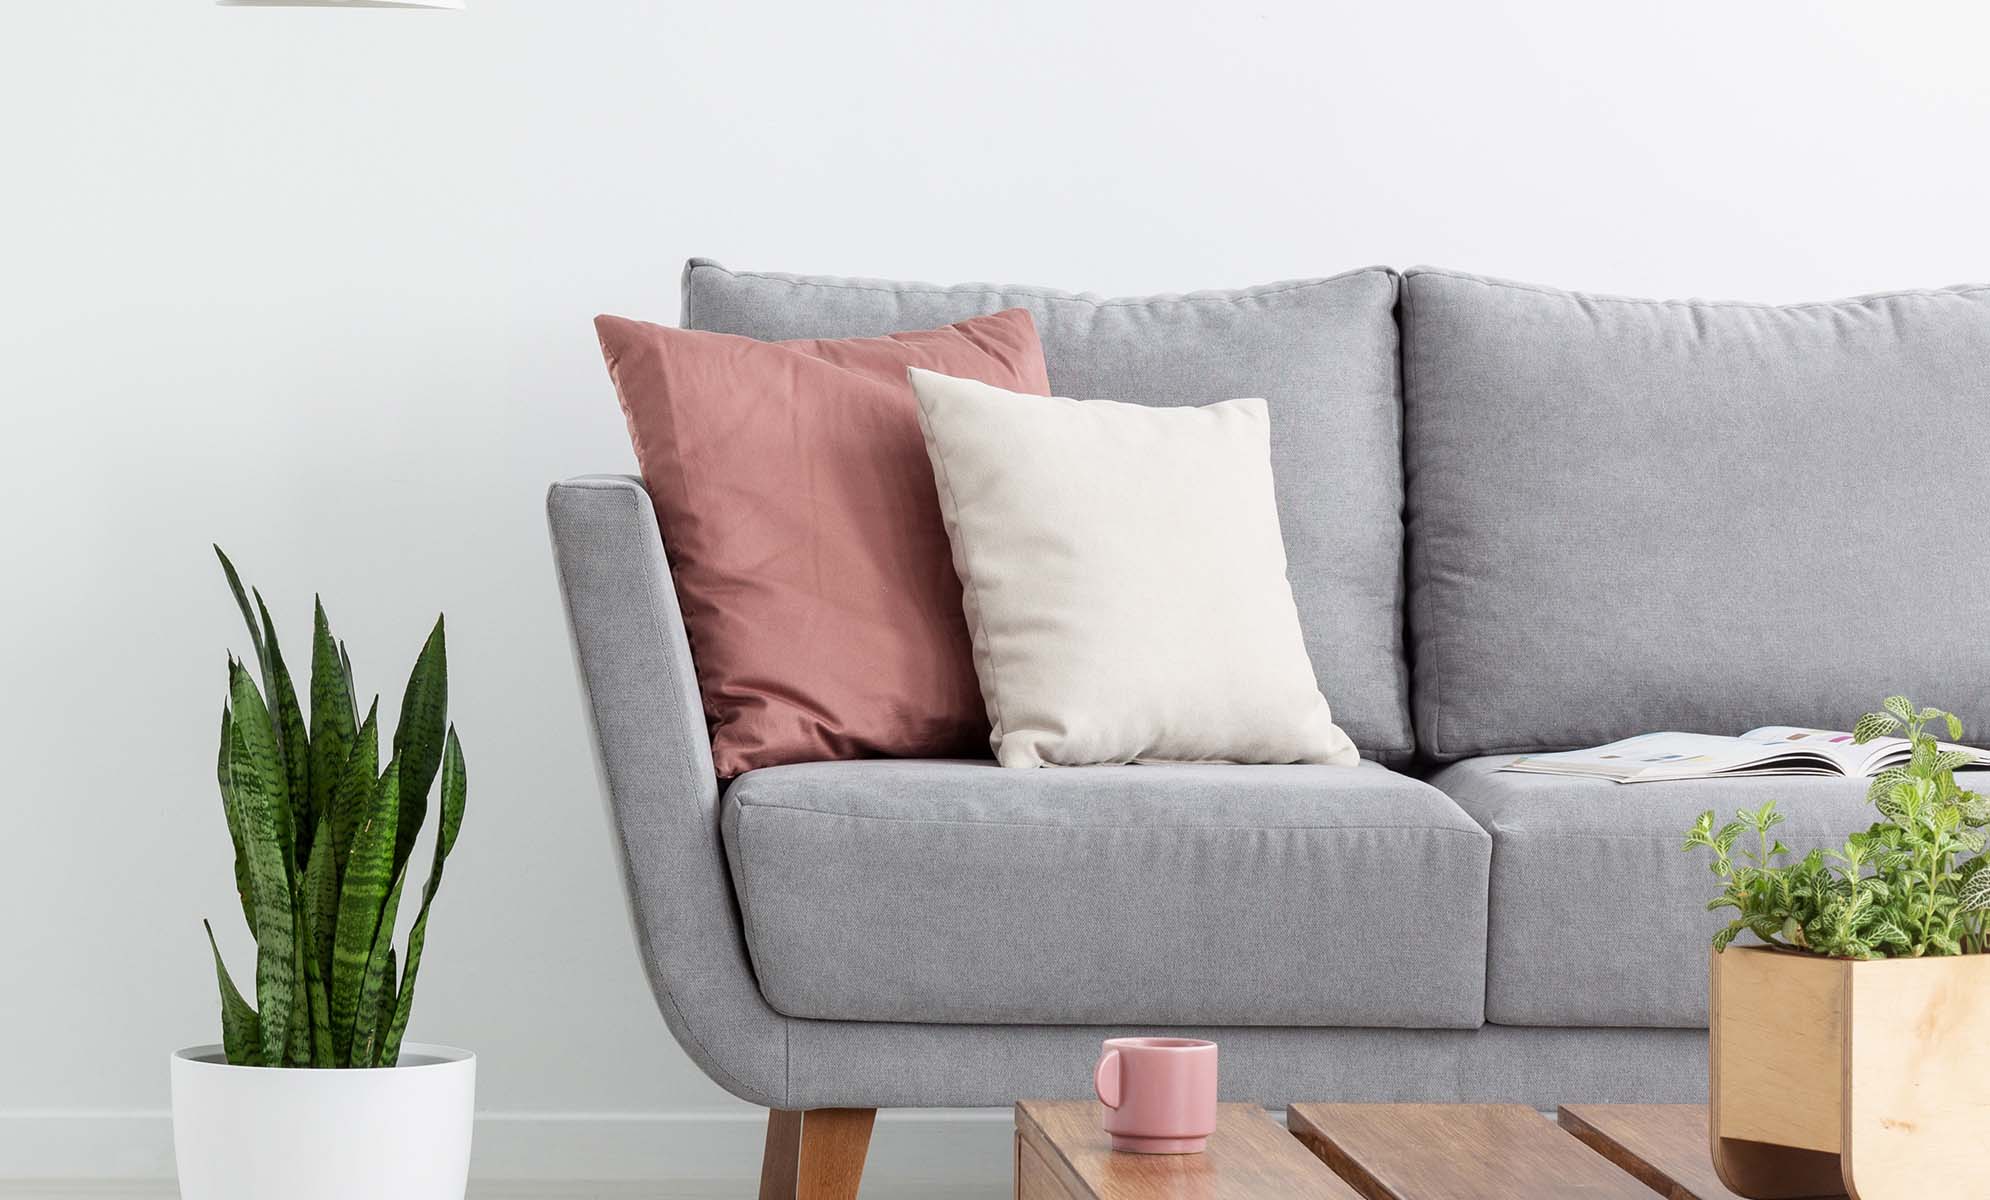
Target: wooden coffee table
[1381,1152]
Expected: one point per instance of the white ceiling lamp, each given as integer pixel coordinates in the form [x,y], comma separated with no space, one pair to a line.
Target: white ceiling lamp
[340,3]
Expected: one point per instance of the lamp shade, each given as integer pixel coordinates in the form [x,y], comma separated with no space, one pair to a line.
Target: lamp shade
[340,3]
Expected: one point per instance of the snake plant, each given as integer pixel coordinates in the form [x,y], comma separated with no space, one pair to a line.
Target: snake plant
[322,835]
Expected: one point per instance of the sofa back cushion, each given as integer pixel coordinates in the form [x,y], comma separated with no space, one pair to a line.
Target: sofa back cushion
[1631,515]
[1322,352]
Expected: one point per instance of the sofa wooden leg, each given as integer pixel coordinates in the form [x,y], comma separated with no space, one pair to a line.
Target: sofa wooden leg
[815,1154]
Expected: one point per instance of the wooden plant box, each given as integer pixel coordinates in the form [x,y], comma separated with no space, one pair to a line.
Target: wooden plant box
[1830,1076]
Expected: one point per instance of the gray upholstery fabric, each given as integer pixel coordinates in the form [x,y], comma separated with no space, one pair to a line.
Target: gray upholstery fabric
[1597,916]
[864,1065]
[1245,895]
[1322,352]
[1631,515]
[656,768]
[656,772]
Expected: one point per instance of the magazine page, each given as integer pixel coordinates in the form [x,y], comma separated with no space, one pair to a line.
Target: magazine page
[1652,756]
[1854,759]
[1836,745]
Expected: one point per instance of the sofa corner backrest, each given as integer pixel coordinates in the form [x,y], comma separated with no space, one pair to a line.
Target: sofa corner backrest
[1632,515]
[1322,352]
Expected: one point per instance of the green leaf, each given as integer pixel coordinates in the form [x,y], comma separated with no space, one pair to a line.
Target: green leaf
[322,1052]
[1874,725]
[321,903]
[351,696]
[257,776]
[1952,760]
[1900,706]
[366,1029]
[418,737]
[1883,782]
[1893,803]
[248,617]
[1724,839]
[240,1036]
[1955,726]
[1922,763]
[232,812]
[455,788]
[354,796]
[293,742]
[1702,832]
[332,726]
[361,898]
[299,1039]
[455,791]
[388,1005]
[1975,894]
[1885,930]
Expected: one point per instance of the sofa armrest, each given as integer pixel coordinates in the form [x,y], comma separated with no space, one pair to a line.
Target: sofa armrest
[654,762]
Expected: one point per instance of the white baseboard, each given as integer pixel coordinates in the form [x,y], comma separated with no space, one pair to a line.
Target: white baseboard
[552,1190]
[950,1153]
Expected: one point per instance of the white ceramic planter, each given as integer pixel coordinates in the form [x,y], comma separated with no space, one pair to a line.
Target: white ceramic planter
[260,1133]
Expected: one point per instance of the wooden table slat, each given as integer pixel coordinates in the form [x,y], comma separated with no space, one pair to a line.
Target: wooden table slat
[1664,1145]
[1457,1152]
[1250,1157]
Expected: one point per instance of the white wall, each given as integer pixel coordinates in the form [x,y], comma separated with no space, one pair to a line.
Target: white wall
[316,285]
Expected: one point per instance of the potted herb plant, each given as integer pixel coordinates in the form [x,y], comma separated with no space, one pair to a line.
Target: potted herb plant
[1850,1050]
[312,1094]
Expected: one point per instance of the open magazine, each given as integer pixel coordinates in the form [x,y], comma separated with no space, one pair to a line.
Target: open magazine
[1770,750]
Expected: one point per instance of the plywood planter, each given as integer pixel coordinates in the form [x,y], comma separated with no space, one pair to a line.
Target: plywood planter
[1828,1075]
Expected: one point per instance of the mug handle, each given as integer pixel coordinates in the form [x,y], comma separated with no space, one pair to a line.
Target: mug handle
[1105,1079]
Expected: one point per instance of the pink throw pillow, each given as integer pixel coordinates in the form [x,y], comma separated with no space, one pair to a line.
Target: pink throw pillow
[798,510]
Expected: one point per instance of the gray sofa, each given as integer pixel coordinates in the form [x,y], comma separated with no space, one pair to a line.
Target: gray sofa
[1517,520]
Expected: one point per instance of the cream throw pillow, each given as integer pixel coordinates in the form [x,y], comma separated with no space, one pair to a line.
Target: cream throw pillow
[1124,579]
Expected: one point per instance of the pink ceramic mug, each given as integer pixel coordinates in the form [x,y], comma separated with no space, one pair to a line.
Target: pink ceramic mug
[1159,1093]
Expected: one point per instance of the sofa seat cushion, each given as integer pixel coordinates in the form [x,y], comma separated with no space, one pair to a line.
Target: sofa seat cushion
[1598,917]
[1210,894]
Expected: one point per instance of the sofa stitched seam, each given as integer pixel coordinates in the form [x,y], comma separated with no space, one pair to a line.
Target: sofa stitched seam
[750,931]
[1475,832]
[1418,553]
[1230,297]
[1404,662]
[1520,832]
[1604,298]
[656,622]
